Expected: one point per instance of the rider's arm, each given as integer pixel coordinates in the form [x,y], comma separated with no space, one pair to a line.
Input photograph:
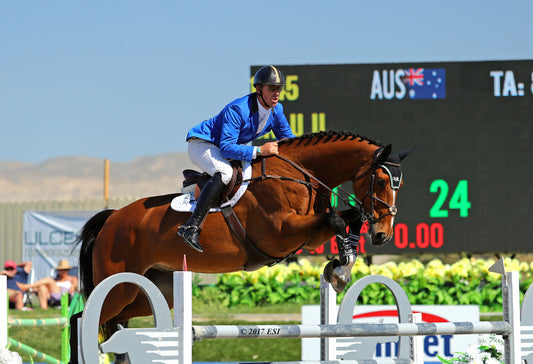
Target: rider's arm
[26,266]
[229,136]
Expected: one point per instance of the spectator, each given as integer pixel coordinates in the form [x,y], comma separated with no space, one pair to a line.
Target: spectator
[49,290]
[16,274]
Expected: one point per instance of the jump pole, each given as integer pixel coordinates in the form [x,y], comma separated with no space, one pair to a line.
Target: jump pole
[353,330]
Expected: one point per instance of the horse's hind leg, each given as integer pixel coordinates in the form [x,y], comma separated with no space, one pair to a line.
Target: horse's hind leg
[117,299]
[141,306]
[127,300]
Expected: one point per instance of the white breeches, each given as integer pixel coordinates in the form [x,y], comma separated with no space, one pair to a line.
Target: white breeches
[207,157]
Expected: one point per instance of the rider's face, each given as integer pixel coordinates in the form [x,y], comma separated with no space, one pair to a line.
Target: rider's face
[271,94]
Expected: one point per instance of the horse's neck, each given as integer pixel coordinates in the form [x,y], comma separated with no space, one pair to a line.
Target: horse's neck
[334,162]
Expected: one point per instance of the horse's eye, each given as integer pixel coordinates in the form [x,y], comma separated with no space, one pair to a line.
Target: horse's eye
[381,182]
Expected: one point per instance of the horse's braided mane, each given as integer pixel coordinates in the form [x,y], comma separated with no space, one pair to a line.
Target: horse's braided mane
[326,136]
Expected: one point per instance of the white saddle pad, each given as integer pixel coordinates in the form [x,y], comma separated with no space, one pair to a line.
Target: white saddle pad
[186,202]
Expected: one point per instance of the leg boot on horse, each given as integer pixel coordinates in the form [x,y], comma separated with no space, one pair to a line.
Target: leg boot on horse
[190,230]
[338,271]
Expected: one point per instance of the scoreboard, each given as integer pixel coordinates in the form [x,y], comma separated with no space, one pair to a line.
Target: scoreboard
[468,184]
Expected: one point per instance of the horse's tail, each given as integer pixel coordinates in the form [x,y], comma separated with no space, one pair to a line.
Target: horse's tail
[88,235]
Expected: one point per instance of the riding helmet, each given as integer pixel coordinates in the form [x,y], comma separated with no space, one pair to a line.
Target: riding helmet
[269,75]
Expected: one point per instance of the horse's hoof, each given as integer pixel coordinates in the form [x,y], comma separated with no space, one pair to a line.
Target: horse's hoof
[121,359]
[328,269]
[340,277]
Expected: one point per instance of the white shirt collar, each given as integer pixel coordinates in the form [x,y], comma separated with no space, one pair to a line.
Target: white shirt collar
[264,114]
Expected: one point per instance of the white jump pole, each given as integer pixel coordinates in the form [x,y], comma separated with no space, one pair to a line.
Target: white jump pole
[3,310]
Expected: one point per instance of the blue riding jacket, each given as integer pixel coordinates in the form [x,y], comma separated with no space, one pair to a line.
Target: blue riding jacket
[236,125]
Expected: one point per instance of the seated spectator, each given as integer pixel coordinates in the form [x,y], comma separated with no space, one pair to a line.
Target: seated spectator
[16,273]
[49,290]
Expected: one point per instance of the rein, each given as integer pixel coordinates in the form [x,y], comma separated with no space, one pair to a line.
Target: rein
[359,204]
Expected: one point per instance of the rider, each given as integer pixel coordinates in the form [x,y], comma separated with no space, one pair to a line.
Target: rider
[227,136]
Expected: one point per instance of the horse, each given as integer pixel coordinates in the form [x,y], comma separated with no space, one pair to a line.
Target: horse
[285,208]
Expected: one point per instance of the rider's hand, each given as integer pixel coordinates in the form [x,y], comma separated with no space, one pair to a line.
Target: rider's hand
[269,148]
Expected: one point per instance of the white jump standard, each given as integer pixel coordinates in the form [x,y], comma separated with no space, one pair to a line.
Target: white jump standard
[171,342]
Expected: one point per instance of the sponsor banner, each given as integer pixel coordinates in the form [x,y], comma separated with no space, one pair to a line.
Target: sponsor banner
[433,345]
[50,236]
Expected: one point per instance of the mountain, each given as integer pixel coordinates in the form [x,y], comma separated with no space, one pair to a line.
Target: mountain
[82,178]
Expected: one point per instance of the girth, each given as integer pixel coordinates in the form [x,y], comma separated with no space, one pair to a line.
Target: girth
[256,257]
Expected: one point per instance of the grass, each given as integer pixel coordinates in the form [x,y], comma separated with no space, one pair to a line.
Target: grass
[247,349]
[46,339]
[214,309]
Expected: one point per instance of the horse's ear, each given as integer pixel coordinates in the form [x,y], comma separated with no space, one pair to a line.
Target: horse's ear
[381,155]
[405,153]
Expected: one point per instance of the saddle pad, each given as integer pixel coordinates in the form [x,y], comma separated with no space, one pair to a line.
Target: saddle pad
[186,202]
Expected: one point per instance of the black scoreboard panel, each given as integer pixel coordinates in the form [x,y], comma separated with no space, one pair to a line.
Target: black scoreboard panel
[468,185]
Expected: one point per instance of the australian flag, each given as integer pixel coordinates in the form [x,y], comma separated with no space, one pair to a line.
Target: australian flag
[425,83]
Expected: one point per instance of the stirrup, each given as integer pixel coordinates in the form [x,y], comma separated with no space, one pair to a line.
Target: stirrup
[190,234]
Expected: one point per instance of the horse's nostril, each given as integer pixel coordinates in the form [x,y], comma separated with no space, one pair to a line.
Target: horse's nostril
[380,238]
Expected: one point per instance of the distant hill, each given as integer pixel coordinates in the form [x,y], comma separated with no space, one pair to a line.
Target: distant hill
[82,178]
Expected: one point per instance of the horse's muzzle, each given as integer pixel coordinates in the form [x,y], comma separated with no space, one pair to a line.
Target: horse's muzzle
[380,238]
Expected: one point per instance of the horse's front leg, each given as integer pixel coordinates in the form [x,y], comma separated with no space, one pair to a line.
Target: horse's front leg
[338,271]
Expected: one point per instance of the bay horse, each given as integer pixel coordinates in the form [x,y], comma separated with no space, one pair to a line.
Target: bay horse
[285,208]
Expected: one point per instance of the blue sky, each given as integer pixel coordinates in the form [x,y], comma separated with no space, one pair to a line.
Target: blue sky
[125,79]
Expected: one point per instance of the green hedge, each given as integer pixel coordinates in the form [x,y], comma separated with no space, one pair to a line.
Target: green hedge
[466,282]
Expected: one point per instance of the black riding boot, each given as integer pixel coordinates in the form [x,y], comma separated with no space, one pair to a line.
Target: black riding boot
[190,231]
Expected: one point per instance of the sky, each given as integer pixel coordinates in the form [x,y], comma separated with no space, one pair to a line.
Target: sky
[125,79]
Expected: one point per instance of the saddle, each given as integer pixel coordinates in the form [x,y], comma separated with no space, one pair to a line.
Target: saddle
[197,180]
[192,178]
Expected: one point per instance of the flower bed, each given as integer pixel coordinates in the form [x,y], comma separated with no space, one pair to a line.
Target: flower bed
[467,281]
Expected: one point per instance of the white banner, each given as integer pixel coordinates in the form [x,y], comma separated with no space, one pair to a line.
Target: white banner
[443,345]
[50,236]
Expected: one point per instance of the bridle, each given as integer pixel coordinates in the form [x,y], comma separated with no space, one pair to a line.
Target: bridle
[358,207]
[395,185]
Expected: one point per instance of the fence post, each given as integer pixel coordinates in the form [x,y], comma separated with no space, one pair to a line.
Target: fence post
[3,310]
[183,315]
[328,316]
[511,314]
[416,342]
[511,311]
[65,345]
